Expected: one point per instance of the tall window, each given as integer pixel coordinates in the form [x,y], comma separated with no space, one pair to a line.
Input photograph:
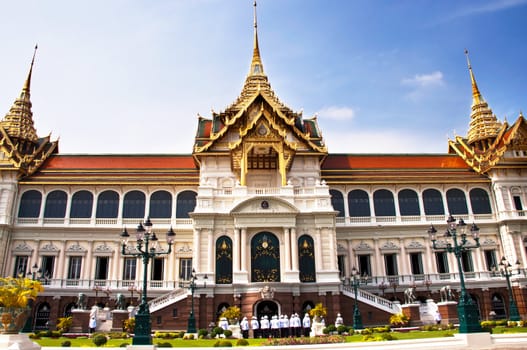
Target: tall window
[306,259]
[30,204]
[490,260]
[185,268]
[224,260]
[48,265]
[74,268]
[416,263]
[341,259]
[160,205]
[383,203]
[265,258]
[365,264]
[442,262]
[408,203]
[186,202]
[130,269]
[21,265]
[479,199]
[466,261]
[81,205]
[101,267]
[337,201]
[108,205]
[359,203]
[56,204]
[158,269]
[390,264]
[134,205]
[457,202]
[433,202]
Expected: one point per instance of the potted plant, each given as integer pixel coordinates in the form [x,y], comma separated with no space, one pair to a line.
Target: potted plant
[232,313]
[318,312]
[15,292]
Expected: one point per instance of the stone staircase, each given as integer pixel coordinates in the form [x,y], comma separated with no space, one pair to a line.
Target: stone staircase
[167,299]
[373,300]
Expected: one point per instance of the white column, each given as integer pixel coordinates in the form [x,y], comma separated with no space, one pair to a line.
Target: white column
[236,251]
[405,270]
[352,259]
[61,257]
[212,252]
[243,255]
[332,248]
[287,249]
[379,265]
[87,266]
[196,249]
[294,249]
[429,258]
[318,250]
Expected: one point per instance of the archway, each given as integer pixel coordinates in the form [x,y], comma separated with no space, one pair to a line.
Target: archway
[265,258]
[267,308]
[42,317]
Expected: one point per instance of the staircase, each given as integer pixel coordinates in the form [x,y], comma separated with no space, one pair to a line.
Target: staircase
[167,299]
[373,300]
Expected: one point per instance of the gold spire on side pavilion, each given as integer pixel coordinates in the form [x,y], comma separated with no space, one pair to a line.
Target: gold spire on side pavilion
[484,126]
[19,141]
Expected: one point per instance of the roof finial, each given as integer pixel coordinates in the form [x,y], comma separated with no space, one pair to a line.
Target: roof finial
[256,64]
[476,95]
[27,84]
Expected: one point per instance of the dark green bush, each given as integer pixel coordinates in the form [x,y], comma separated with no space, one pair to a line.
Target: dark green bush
[342,329]
[124,345]
[218,330]
[65,344]
[164,345]
[242,342]
[223,343]
[227,333]
[99,339]
[202,333]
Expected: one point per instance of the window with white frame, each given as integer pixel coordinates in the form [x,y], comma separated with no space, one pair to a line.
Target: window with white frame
[185,268]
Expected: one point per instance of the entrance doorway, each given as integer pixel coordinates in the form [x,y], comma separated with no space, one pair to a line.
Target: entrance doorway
[266,308]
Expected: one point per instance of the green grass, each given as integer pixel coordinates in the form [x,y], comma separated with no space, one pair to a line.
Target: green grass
[197,343]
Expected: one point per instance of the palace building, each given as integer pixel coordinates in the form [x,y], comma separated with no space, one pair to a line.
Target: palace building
[264,216]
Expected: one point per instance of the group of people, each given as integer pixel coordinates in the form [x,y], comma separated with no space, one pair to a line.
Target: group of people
[276,327]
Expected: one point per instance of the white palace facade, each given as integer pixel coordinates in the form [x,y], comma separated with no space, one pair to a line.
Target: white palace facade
[266,217]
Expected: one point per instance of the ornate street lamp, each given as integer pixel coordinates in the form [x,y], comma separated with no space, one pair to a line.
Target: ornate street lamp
[146,248]
[28,326]
[506,271]
[356,281]
[457,243]
[192,286]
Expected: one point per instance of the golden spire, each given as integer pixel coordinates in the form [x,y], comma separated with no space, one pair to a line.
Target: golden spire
[18,122]
[483,123]
[256,63]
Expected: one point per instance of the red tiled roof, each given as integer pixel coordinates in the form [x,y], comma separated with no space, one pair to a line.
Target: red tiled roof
[64,162]
[392,161]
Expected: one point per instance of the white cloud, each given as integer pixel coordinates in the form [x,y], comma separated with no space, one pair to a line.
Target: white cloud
[337,113]
[492,6]
[425,80]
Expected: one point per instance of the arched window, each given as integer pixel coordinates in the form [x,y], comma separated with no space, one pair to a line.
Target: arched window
[479,199]
[433,202]
[306,259]
[81,205]
[186,202]
[134,205]
[30,204]
[56,204]
[383,203]
[337,201]
[224,260]
[107,205]
[265,258]
[408,203]
[359,203]
[457,202]
[161,205]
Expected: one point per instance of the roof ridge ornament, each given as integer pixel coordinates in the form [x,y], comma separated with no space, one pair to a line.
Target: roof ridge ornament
[256,63]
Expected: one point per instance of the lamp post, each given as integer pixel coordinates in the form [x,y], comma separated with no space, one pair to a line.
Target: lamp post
[28,326]
[146,248]
[356,281]
[192,286]
[506,271]
[457,243]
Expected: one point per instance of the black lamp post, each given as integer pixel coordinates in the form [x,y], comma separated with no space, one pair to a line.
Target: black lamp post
[356,281]
[144,237]
[506,271]
[466,308]
[28,326]
[191,324]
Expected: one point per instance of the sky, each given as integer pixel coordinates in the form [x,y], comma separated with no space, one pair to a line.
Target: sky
[132,76]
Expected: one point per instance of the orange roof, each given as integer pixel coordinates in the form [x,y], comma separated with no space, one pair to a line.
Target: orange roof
[63,162]
[393,161]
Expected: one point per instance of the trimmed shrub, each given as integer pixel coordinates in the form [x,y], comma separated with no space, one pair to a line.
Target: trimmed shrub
[124,345]
[242,342]
[218,330]
[202,333]
[223,343]
[99,339]
[164,345]
[65,344]
[227,333]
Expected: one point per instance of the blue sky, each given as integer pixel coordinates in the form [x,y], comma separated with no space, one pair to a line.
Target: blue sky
[131,76]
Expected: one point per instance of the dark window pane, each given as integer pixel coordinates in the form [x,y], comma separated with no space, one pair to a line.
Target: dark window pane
[408,203]
[108,205]
[383,203]
[186,202]
[56,204]
[359,203]
[134,205]
[161,205]
[433,202]
[81,205]
[30,204]
[337,201]
[479,199]
[457,202]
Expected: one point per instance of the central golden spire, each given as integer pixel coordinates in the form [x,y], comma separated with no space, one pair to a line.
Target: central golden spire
[256,64]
